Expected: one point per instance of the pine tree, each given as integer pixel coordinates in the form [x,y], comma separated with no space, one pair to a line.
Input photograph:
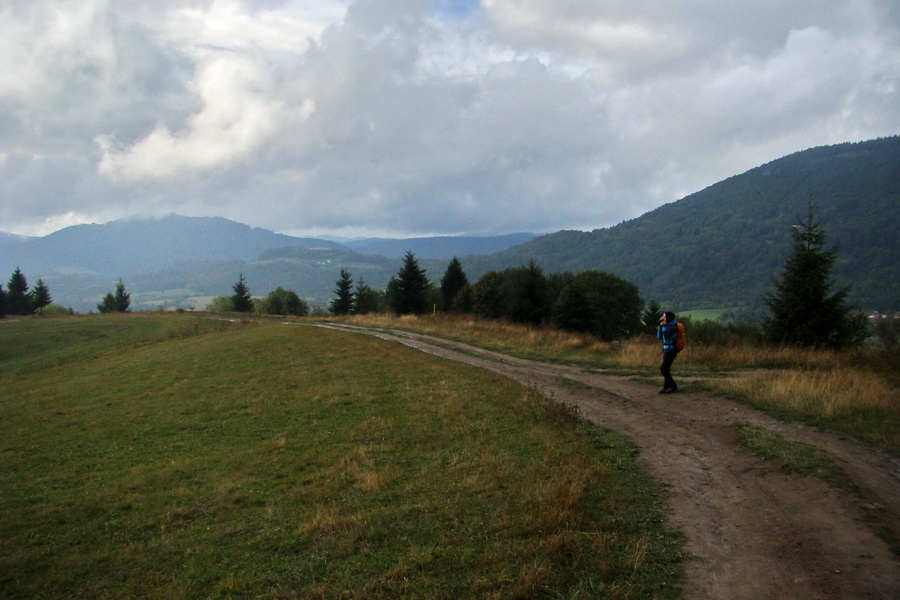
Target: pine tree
[452,282]
[241,301]
[118,302]
[107,304]
[367,299]
[40,296]
[343,304]
[525,291]
[122,298]
[801,311]
[410,294]
[17,300]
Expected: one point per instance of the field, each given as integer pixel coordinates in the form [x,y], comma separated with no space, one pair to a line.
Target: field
[182,456]
[852,392]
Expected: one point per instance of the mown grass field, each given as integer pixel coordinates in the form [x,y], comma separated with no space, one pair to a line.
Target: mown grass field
[180,456]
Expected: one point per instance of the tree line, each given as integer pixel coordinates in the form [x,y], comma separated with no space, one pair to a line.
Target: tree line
[592,302]
[18,299]
[802,308]
[278,302]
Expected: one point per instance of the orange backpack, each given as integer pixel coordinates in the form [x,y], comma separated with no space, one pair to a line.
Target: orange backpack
[681,340]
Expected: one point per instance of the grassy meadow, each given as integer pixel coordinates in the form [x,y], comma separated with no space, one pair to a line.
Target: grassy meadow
[184,456]
[856,392]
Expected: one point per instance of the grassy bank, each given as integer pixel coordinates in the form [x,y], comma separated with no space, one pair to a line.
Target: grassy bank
[175,456]
[854,392]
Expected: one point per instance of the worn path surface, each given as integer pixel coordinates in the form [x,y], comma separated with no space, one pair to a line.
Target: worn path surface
[756,533]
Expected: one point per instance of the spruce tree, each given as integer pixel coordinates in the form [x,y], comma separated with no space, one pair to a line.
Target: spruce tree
[343,304]
[525,291]
[17,300]
[241,301]
[803,312]
[367,299]
[118,302]
[410,296]
[40,296]
[122,298]
[452,282]
[107,304]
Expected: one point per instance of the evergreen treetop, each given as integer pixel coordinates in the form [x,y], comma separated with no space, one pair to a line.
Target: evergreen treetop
[367,299]
[40,296]
[118,302]
[452,282]
[343,303]
[410,293]
[17,298]
[241,300]
[122,298]
[801,310]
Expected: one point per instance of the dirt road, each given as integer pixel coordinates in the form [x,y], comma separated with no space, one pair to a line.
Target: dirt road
[756,533]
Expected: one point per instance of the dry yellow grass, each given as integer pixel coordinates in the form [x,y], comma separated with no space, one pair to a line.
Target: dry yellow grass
[496,334]
[823,393]
[639,352]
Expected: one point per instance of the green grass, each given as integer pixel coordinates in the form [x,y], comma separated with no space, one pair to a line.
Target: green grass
[167,456]
[39,342]
[704,314]
[806,460]
[791,456]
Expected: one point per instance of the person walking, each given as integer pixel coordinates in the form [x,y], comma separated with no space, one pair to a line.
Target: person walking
[668,333]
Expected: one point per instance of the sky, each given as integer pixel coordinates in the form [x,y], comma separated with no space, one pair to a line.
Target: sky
[403,118]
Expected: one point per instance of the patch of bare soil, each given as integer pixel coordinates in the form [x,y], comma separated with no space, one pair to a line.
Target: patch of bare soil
[755,532]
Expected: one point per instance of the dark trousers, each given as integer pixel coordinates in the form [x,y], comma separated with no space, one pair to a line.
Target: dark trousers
[666,369]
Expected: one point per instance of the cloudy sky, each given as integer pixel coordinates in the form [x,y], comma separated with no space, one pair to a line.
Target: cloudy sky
[421,117]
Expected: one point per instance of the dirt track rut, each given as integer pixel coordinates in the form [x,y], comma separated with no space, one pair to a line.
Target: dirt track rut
[755,532]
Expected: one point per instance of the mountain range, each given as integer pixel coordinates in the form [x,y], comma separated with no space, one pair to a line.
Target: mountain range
[182,261]
[719,247]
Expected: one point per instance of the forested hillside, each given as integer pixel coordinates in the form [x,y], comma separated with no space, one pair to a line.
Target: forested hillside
[439,248]
[720,247]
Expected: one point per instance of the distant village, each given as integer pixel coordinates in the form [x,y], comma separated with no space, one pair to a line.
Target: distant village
[885,315]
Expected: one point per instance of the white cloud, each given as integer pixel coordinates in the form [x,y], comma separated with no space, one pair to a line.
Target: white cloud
[422,116]
[240,112]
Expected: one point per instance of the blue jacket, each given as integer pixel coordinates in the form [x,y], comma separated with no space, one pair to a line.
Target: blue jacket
[668,333]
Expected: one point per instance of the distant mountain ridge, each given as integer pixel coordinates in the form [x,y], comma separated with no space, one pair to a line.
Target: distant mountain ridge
[129,246]
[721,246]
[167,261]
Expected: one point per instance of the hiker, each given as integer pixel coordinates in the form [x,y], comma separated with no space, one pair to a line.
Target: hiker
[668,333]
